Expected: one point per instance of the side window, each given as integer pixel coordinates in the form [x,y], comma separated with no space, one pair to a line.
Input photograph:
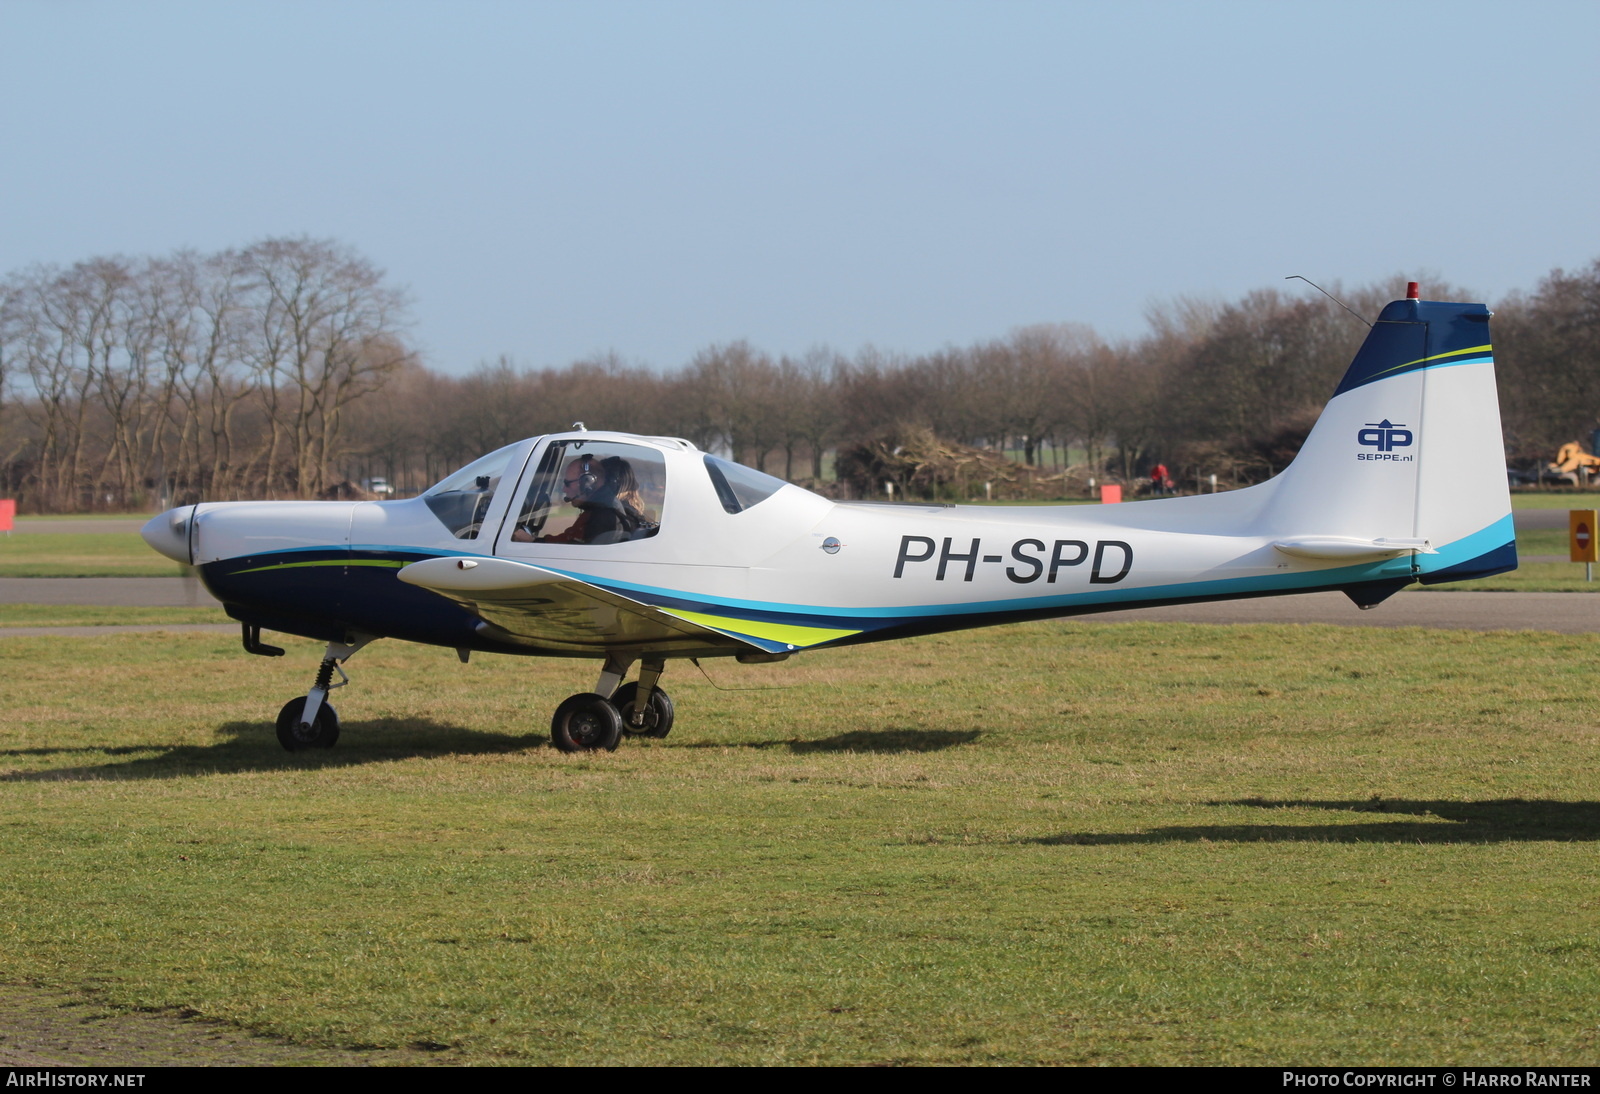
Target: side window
[462,500]
[739,487]
[593,492]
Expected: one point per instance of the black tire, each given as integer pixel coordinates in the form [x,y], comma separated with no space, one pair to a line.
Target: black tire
[586,723]
[295,736]
[657,719]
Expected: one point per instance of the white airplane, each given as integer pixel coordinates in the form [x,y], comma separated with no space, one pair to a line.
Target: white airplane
[630,549]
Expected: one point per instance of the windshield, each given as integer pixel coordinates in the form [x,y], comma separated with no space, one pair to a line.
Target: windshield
[462,500]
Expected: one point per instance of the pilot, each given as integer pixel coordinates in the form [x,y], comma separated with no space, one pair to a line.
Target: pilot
[607,495]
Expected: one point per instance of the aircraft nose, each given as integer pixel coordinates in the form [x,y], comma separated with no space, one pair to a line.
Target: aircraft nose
[169,533]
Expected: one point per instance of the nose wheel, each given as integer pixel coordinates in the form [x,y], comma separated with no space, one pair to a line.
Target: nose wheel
[295,733]
[309,720]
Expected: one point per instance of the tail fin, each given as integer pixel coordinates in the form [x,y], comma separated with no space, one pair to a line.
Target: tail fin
[1409,448]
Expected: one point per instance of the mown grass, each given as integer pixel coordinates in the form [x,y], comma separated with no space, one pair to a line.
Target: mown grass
[82,554]
[33,518]
[83,615]
[1056,843]
[1550,499]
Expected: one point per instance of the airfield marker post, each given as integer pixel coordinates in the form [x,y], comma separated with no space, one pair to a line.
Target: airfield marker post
[1582,541]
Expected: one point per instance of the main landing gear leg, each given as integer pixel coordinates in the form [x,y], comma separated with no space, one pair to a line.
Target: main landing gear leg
[598,719]
[616,667]
[310,721]
[646,711]
[588,722]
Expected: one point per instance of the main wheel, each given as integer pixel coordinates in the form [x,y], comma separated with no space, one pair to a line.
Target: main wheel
[295,735]
[586,723]
[657,716]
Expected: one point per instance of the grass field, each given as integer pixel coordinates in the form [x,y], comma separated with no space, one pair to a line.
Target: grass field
[82,554]
[1548,499]
[1056,843]
[34,518]
[83,615]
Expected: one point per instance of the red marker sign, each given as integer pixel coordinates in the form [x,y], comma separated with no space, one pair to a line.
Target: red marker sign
[1581,524]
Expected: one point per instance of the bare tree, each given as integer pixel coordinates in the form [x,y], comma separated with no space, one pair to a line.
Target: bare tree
[195,302]
[810,406]
[1548,354]
[738,387]
[325,332]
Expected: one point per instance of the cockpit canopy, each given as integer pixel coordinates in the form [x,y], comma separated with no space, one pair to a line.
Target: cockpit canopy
[593,491]
[584,490]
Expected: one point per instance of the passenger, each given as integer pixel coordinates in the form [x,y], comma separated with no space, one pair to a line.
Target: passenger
[625,488]
[607,493]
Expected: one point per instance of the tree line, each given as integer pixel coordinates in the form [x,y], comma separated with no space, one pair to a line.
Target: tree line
[284,369]
[129,381]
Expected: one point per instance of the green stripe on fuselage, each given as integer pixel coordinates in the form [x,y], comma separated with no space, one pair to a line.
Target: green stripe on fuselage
[394,564]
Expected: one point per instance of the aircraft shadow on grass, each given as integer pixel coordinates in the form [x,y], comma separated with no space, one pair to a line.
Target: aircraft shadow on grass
[1504,820]
[885,741]
[253,747]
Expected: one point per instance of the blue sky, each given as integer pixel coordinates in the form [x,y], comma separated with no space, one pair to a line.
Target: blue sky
[555,180]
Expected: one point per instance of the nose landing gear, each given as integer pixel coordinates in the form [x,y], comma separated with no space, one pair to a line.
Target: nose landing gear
[309,721]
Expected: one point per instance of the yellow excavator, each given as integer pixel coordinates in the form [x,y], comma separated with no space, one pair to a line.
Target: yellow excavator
[1574,465]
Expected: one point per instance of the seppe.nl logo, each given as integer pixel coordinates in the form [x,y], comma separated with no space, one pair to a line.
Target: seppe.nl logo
[1385,436]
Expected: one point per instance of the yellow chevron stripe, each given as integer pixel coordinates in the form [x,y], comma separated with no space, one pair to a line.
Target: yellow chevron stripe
[1435,357]
[787,633]
[1452,353]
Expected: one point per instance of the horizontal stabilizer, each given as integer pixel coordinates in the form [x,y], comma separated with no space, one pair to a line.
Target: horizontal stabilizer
[1350,548]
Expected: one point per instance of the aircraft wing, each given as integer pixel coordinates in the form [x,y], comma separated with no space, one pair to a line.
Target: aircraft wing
[546,610]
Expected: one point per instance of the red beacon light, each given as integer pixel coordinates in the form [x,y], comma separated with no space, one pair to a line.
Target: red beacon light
[1412,292]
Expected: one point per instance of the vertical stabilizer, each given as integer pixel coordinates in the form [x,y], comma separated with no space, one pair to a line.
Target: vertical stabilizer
[1410,448]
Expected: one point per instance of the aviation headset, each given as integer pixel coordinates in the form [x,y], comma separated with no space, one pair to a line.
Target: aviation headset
[588,478]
